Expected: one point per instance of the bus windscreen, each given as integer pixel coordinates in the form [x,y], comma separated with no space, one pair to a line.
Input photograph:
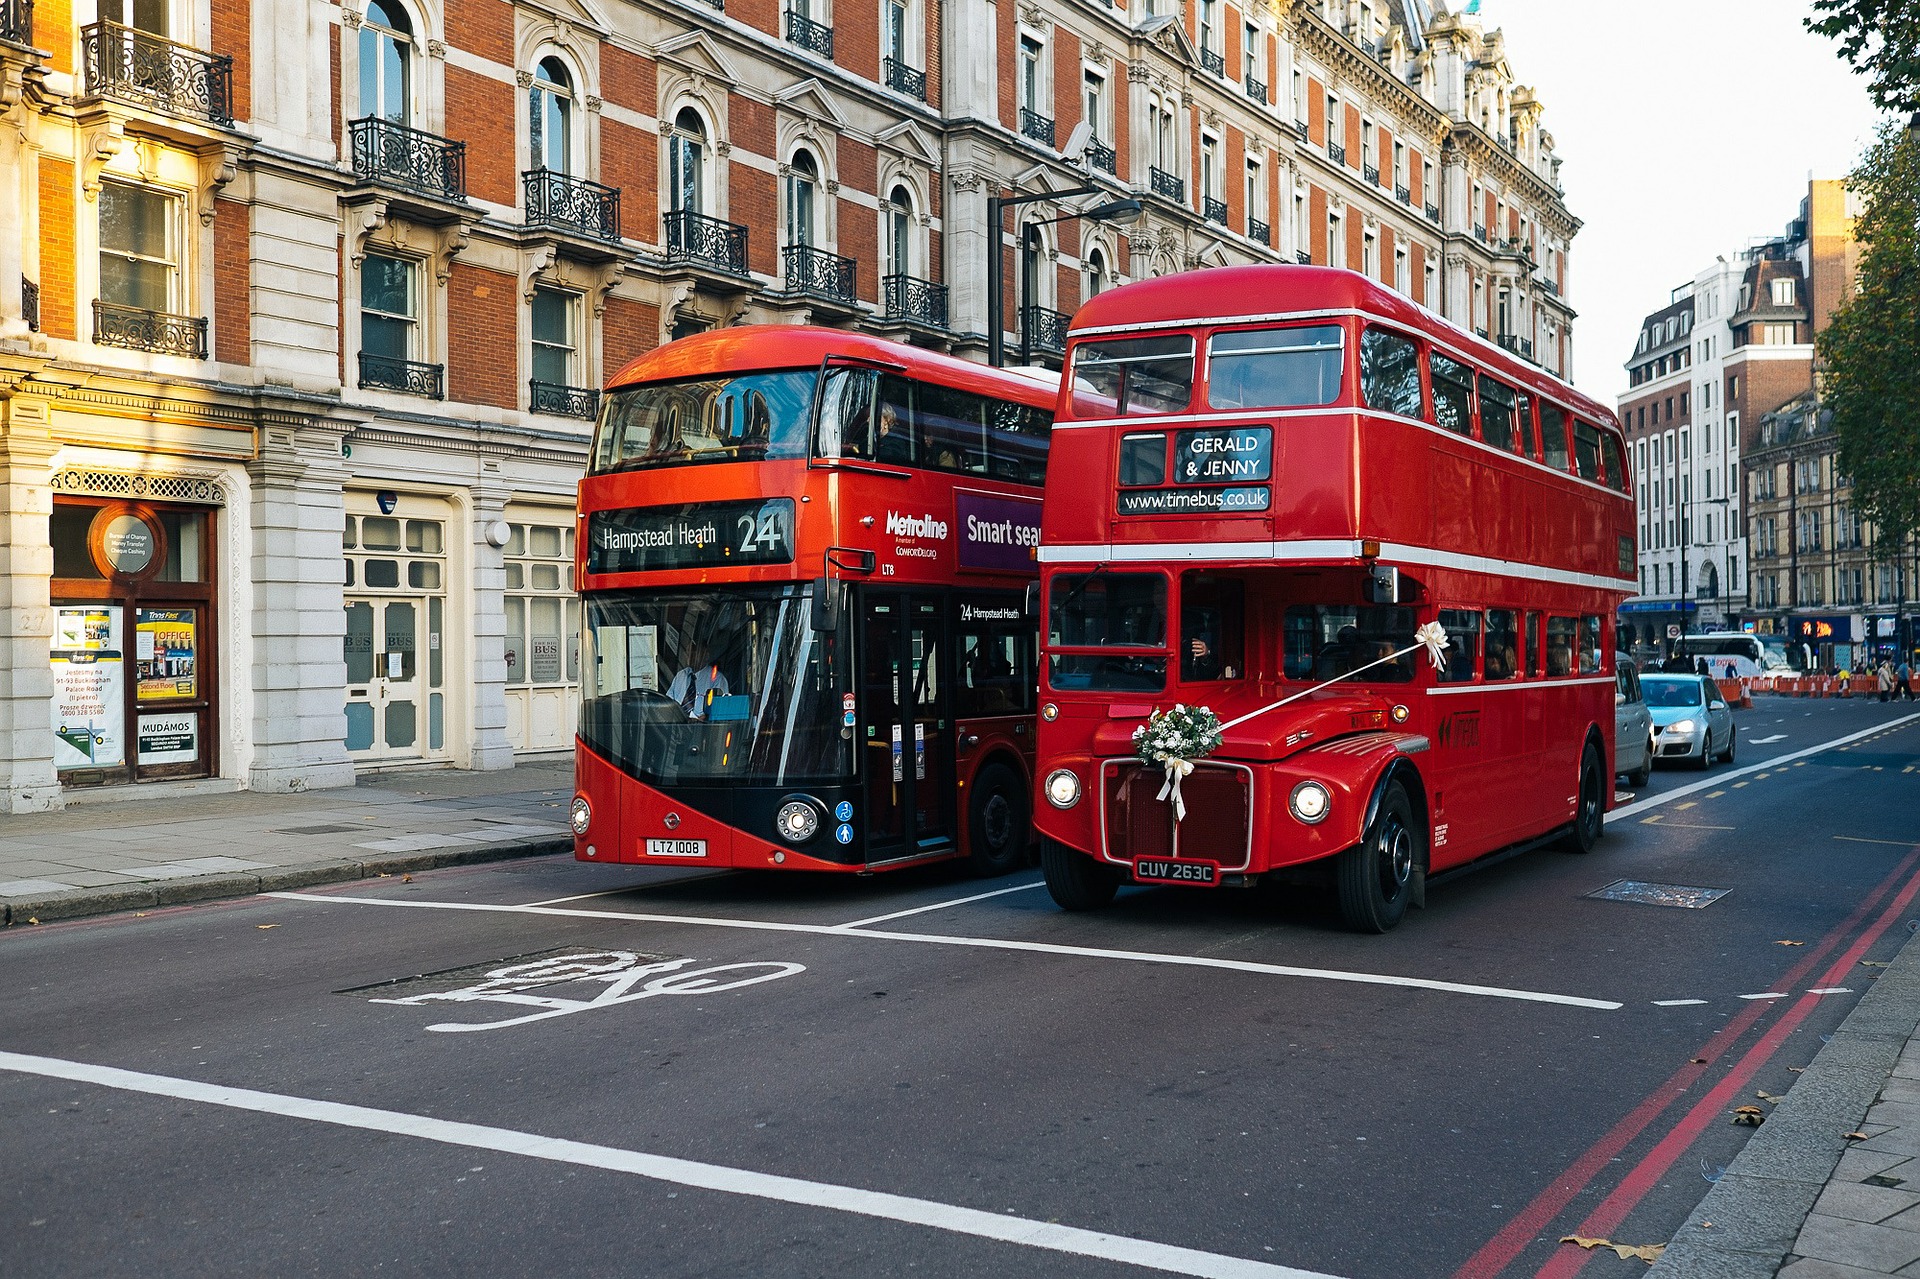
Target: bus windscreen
[752,417]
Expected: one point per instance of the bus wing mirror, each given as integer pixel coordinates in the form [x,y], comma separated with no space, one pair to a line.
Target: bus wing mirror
[1383,585]
[1030,606]
[827,595]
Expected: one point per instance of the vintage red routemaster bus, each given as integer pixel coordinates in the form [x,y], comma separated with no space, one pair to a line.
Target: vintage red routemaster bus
[1300,470]
[803,557]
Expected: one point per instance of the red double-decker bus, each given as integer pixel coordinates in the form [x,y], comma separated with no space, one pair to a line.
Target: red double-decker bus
[1299,470]
[803,555]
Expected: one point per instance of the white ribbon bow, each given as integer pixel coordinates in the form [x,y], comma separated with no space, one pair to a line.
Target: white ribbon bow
[1177,768]
[1434,637]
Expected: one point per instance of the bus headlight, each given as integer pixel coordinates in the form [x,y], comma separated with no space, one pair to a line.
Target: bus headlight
[580,815]
[1063,788]
[797,821]
[1309,802]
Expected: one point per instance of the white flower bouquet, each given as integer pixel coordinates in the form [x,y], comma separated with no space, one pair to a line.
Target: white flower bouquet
[1185,732]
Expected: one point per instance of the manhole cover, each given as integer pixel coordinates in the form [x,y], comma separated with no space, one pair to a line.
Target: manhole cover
[521,972]
[1679,896]
[318,830]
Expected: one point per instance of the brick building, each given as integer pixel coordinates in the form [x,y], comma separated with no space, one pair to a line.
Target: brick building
[312,298]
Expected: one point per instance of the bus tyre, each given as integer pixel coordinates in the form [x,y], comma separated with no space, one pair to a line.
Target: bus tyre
[1642,775]
[1075,880]
[1590,817]
[996,821]
[1374,878]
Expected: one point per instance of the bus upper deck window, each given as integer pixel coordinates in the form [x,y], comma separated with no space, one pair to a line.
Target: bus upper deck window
[1497,403]
[1136,375]
[1586,449]
[1143,459]
[1553,435]
[1390,373]
[1274,368]
[1616,467]
[1452,394]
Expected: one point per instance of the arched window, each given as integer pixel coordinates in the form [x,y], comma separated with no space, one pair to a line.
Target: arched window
[803,190]
[550,117]
[899,232]
[1033,258]
[686,163]
[1096,274]
[386,55]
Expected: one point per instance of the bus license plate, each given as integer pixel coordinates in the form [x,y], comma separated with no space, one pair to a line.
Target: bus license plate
[1154,870]
[676,848]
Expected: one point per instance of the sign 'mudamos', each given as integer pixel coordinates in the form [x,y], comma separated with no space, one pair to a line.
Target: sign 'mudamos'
[691,535]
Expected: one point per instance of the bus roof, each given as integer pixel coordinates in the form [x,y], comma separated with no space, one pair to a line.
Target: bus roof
[1236,294]
[752,347]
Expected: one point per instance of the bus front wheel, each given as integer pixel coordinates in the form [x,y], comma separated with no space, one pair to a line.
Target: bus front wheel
[1074,880]
[1374,878]
[996,821]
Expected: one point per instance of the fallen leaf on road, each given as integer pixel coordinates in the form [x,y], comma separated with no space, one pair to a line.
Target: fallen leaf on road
[33,919]
[1868,963]
[263,927]
[383,874]
[1797,1070]
[1647,1252]
[1769,1097]
[1752,1116]
[406,879]
[1698,1061]
[1856,1136]
[1789,943]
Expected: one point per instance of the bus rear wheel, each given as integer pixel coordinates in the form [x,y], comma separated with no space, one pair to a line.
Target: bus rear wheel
[1373,880]
[996,822]
[1074,880]
[1590,818]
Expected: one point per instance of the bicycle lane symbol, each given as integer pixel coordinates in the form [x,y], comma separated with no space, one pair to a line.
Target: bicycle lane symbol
[621,971]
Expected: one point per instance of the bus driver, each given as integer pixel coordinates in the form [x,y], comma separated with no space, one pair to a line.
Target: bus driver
[697,682]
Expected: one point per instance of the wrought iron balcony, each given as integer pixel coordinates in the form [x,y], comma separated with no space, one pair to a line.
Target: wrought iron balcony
[1036,126]
[1371,172]
[1336,152]
[1259,230]
[1303,257]
[561,400]
[30,303]
[152,71]
[1103,157]
[1213,210]
[705,241]
[1550,285]
[902,78]
[136,329]
[811,270]
[408,377]
[910,298]
[814,37]
[1480,233]
[1522,347]
[1042,331]
[1256,89]
[400,156]
[1214,62]
[1162,183]
[1403,195]
[1433,213]
[1300,127]
[16,21]
[567,203]
[1479,331]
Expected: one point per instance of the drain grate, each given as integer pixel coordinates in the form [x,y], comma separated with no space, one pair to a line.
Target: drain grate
[318,830]
[1678,896]
[533,970]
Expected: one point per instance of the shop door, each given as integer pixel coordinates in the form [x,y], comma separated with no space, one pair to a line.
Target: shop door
[908,756]
[383,678]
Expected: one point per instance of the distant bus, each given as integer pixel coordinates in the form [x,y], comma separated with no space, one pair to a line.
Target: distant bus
[1768,653]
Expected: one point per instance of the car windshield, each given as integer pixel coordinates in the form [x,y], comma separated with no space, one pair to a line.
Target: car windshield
[1672,691]
[718,685]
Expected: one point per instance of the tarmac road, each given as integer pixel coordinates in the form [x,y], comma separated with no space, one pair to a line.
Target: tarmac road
[668,1073]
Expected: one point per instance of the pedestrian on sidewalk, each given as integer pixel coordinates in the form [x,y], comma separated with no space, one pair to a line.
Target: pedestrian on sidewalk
[1883,676]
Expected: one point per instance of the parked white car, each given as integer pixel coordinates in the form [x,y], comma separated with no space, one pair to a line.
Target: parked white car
[1632,724]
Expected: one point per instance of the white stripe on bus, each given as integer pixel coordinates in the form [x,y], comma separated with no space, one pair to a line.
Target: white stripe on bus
[1323,549]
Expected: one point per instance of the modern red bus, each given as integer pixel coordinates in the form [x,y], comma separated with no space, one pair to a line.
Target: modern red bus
[803,556]
[1299,469]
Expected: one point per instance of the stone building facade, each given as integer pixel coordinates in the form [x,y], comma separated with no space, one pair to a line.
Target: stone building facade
[300,336]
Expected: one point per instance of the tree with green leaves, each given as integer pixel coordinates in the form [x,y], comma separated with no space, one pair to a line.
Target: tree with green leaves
[1881,38]
[1870,351]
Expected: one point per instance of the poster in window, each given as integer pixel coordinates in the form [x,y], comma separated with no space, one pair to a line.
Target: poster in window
[89,689]
[168,739]
[165,654]
[545,666]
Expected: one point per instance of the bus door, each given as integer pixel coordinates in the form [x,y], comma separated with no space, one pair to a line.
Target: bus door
[907,753]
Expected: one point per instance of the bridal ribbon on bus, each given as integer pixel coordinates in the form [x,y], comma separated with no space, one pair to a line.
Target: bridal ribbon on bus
[1432,637]
[1177,768]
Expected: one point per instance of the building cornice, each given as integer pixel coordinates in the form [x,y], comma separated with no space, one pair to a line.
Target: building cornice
[1317,35]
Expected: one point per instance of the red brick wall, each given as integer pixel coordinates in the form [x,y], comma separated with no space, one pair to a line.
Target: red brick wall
[1009,64]
[56,245]
[1122,117]
[483,337]
[627,331]
[857,164]
[1355,249]
[1387,246]
[630,160]
[750,125]
[753,199]
[856,40]
[233,36]
[1235,179]
[480,113]
[932,45]
[484,27]
[761,15]
[1066,85]
[53,31]
[629,79]
[935,259]
[1352,137]
[859,239]
[333,70]
[1417,266]
[1317,223]
[232,280]
[1316,112]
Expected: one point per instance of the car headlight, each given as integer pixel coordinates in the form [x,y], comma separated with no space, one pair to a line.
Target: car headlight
[1063,788]
[797,821]
[1309,802]
[1684,727]
[580,815]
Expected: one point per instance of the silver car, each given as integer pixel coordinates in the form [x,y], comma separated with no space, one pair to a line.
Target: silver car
[1632,724]
[1691,721]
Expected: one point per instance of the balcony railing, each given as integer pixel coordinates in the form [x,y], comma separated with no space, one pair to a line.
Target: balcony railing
[1479,332]
[1479,233]
[1300,127]
[395,154]
[1403,195]
[1371,172]
[30,303]
[1522,347]
[705,241]
[1214,62]
[1336,153]
[136,329]
[152,71]
[16,21]
[561,400]
[1036,126]
[814,37]
[1214,210]
[811,270]
[1103,157]
[1303,257]
[1162,183]
[910,298]
[408,377]
[1259,230]
[572,204]
[1043,331]
[902,78]
[1550,286]
[1256,89]
[1433,213]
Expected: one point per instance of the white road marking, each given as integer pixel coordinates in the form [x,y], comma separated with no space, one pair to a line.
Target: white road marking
[980,943]
[1762,741]
[1677,1003]
[1681,792]
[1767,994]
[958,901]
[1897,843]
[1021,1231]
[1831,990]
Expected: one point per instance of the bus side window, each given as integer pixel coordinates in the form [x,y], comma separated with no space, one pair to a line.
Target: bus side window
[846,414]
[1503,644]
[1536,655]
[1017,442]
[1586,449]
[1463,644]
[1560,639]
[1452,394]
[952,429]
[894,422]
[1616,469]
[1591,651]
[1390,373]
[1523,414]
[1496,413]
[1553,435]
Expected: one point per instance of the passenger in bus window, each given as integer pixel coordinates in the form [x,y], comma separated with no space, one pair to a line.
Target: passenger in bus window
[1503,644]
[892,443]
[1463,644]
[1559,646]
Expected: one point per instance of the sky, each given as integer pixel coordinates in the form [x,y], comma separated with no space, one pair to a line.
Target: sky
[1687,129]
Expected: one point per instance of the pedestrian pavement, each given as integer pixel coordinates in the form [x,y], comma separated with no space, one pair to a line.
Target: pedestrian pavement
[115,851]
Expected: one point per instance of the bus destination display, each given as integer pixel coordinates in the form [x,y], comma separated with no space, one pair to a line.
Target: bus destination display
[691,535]
[1216,470]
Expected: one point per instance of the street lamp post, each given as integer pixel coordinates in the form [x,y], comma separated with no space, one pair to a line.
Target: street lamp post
[1122,211]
